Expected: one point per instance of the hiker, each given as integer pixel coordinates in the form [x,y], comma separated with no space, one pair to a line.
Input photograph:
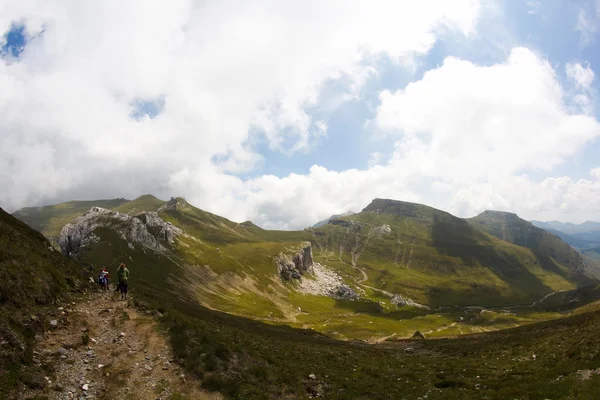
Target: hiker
[123,274]
[103,279]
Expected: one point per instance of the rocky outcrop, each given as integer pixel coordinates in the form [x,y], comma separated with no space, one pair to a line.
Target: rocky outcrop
[297,265]
[346,223]
[326,282]
[382,230]
[147,229]
[344,292]
[175,204]
[400,301]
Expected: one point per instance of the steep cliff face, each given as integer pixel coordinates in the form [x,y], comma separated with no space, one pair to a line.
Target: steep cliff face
[147,229]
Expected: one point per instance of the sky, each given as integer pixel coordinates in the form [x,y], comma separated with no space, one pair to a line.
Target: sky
[284,113]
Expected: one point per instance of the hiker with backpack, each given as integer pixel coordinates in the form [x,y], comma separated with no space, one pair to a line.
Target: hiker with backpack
[103,279]
[122,275]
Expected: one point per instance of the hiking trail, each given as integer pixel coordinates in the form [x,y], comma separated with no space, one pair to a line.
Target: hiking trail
[104,348]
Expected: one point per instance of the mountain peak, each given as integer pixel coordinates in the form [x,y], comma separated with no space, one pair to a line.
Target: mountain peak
[402,208]
[499,214]
[175,204]
[147,197]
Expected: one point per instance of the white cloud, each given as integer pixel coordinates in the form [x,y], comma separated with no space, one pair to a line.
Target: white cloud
[464,122]
[582,76]
[533,6]
[227,71]
[375,158]
[583,91]
[587,21]
[464,133]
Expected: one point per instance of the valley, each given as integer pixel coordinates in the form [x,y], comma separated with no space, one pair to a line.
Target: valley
[331,311]
[390,270]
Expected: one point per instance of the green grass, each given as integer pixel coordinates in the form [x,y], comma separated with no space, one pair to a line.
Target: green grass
[451,263]
[33,280]
[49,220]
[437,259]
[143,203]
[250,360]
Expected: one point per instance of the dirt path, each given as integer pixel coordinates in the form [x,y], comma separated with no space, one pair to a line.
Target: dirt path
[125,357]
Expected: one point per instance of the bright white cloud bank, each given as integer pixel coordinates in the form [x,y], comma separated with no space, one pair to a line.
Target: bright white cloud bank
[228,71]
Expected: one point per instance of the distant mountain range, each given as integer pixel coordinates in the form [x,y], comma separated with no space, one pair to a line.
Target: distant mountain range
[581,236]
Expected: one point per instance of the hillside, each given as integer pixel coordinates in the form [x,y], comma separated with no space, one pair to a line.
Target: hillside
[573,241]
[50,219]
[34,279]
[511,228]
[391,269]
[414,251]
[248,359]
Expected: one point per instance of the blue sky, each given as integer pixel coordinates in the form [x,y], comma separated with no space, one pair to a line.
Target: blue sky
[549,29]
[285,114]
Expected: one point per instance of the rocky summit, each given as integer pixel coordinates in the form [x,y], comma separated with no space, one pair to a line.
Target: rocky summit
[134,229]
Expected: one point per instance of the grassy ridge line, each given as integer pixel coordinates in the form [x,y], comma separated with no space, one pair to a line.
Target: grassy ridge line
[49,220]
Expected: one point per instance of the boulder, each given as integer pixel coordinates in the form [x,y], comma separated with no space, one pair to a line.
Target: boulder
[344,292]
[418,335]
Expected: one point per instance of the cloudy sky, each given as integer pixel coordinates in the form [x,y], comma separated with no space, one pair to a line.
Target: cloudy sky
[285,112]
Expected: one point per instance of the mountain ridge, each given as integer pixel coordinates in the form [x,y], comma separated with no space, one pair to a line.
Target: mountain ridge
[392,257]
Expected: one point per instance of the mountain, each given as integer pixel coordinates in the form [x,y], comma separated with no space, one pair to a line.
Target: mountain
[581,236]
[334,216]
[371,276]
[568,227]
[571,240]
[34,280]
[411,250]
[50,219]
[547,246]
[393,260]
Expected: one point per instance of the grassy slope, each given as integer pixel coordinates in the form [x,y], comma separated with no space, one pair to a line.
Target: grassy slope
[32,279]
[49,220]
[251,360]
[438,259]
[143,203]
[430,256]
[511,228]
